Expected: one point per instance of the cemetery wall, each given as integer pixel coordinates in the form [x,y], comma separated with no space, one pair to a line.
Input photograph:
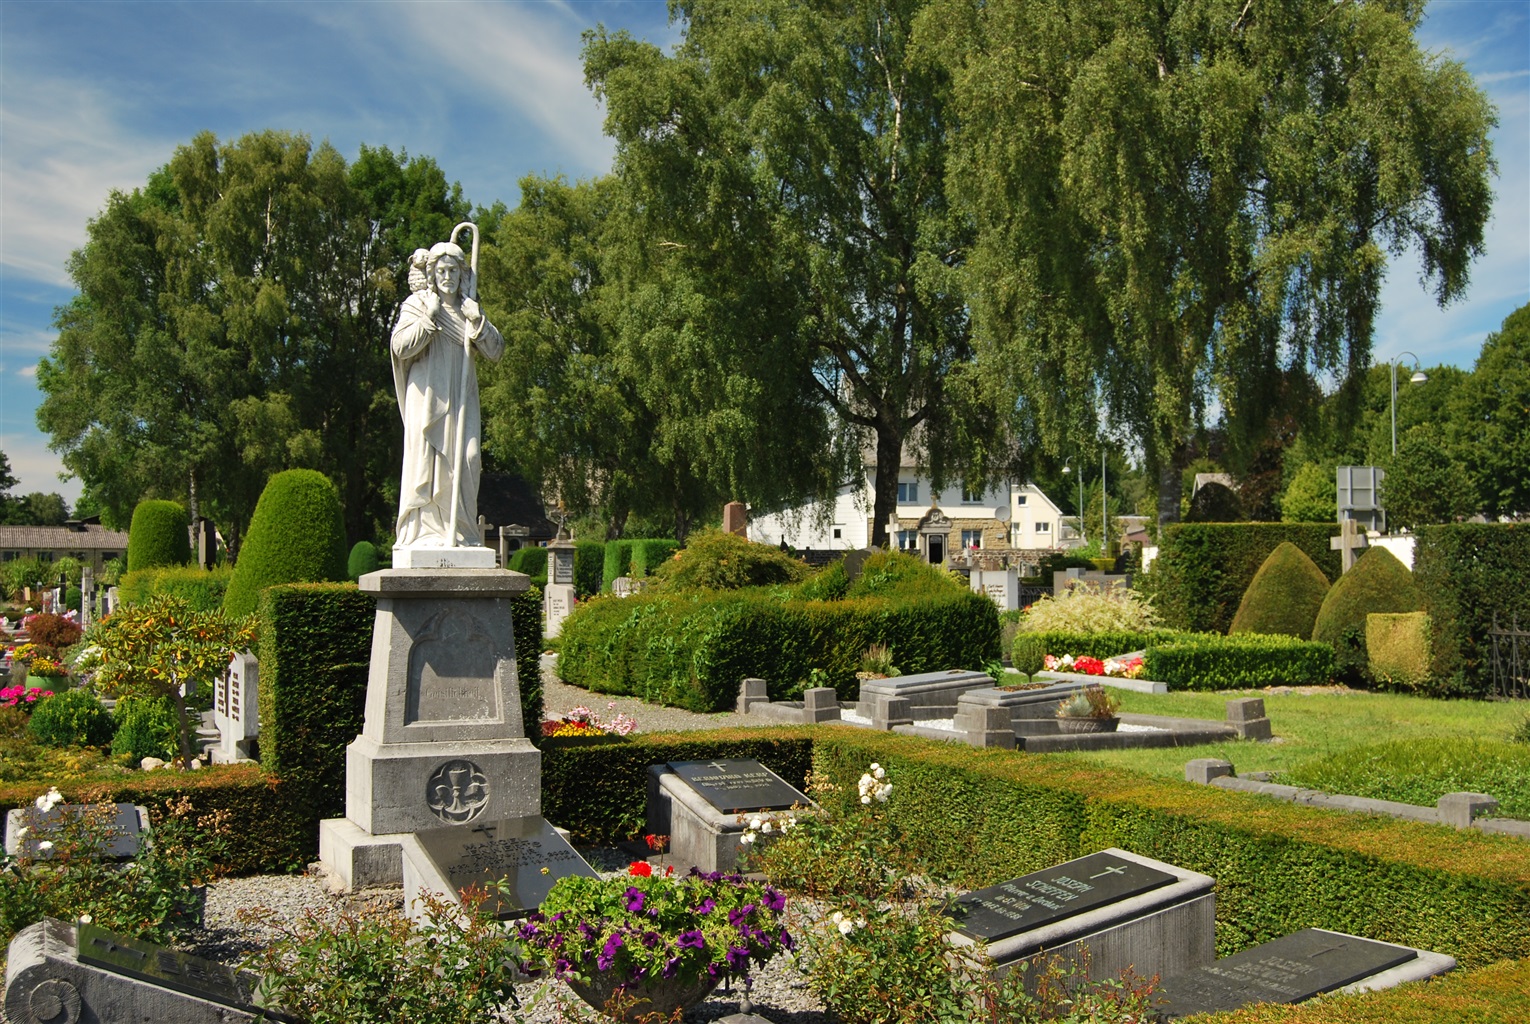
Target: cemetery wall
[691,651]
[1467,573]
[1202,569]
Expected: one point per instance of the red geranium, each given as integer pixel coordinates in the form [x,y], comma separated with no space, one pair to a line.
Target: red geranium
[640,868]
[1089,666]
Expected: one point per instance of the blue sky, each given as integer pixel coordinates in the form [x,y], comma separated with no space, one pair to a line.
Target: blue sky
[94,96]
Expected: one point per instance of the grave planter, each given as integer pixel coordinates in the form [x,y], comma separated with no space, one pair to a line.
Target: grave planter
[1074,726]
[662,996]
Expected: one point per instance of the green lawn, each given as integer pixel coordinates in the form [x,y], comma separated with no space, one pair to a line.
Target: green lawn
[1312,726]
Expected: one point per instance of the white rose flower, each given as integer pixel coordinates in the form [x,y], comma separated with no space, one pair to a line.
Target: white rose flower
[846,927]
[766,828]
[747,838]
[754,823]
[865,799]
[879,771]
[45,845]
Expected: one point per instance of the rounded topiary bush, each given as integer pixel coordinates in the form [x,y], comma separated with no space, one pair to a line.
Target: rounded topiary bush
[146,727]
[1284,596]
[1378,582]
[71,718]
[158,535]
[362,559]
[713,560]
[296,536]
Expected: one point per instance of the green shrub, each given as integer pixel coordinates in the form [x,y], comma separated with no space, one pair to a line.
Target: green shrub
[1203,569]
[1212,662]
[692,649]
[361,560]
[1377,582]
[532,562]
[71,718]
[1215,503]
[713,560]
[650,553]
[1085,608]
[203,590]
[589,564]
[831,583]
[1028,652]
[1470,573]
[296,536]
[145,727]
[159,535]
[618,562]
[54,632]
[1421,771]
[1284,596]
[1398,647]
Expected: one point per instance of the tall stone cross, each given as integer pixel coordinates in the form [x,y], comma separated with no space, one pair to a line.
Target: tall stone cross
[1348,543]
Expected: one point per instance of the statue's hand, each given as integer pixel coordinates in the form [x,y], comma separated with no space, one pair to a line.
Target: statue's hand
[470,308]
[432,302]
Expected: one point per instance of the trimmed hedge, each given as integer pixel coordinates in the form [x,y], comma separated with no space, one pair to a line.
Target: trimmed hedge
[532,562]
[158,535]
[648,555]
[71,718]
[1377,582]
[1398,647]
[1032,647]
[272,832]
[1203,569]
[613,810]
[315,650]
[589,565]
[692,650]
[297,535]
[1284,596]
[1212,662]
[202,589]
[634,557]
[362,560]
[1467,573]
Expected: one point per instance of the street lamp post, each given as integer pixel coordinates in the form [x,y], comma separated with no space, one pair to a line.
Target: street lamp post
[1067,469]
[1419,377]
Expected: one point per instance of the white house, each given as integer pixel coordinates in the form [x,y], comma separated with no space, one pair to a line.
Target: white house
[1036,522]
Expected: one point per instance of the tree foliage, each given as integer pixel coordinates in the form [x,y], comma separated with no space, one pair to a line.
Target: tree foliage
[1312,496]
[1194,201]
[1491,414]
[1425,483]
[231,322]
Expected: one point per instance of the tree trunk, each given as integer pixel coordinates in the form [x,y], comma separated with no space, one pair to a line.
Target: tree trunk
[194,510]
[179,700]
[1171,484]
[889,460]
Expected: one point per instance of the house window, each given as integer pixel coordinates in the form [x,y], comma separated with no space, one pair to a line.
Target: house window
[908,493]
[1043,527]
[908,540]
[971,495]
[45,556]
[9,556]
[972,539]
[839,532]
[1020,499]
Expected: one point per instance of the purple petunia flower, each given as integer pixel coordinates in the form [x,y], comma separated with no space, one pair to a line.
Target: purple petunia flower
[735,916]
[774,899]
[787,940]
[652,939]
[670,967]
[634,899]
[692,939]
[707,906]
[586,932]
[737,957]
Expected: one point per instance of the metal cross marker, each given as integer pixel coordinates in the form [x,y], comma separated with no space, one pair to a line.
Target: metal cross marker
[487,830]
[1117,870]
[1327,949]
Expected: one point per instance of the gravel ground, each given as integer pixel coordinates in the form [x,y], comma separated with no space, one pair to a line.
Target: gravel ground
[559,698]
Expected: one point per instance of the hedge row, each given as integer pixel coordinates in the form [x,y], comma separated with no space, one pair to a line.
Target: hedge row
[692,650]
[1203,569]
[532,562]
[1213,662]
[315,649]
[589,567]
[273,830]
[202,589]
[1468,573]
[613,810]
[635,558]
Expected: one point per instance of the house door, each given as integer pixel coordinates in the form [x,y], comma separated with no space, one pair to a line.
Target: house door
[936,547]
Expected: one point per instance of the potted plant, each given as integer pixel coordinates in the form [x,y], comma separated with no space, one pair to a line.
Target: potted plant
[1090,709]
[652,943]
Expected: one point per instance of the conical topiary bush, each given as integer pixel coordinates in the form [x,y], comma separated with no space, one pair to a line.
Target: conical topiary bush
[1284,596]
[1378,582]
[296,536]
[158,535]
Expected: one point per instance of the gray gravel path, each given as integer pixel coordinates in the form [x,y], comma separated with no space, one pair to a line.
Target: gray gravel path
[559,698]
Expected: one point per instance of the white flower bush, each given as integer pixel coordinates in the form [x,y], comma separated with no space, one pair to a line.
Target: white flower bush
[765,824]
[874,786]
[49,800]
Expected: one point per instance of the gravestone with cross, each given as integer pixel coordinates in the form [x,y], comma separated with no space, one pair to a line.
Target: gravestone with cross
[1349,543]
[1294,969]
[1128,910]
[516,860]
[705,807]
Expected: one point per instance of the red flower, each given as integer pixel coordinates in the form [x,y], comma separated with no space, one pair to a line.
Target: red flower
[641,868]
[1089,666]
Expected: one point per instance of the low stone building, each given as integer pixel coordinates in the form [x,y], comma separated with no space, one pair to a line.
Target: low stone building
[90,543]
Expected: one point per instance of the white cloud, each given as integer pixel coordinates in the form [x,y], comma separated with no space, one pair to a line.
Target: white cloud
[36,468]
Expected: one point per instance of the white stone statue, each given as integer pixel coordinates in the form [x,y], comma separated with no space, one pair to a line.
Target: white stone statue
[439,325]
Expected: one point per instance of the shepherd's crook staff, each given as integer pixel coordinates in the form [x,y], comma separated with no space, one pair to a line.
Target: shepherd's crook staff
[469,289]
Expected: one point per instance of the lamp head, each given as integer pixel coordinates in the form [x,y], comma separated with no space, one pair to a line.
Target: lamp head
[1419,377]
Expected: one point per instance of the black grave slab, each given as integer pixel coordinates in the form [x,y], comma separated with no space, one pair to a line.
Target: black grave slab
[736,786]
[167,968]
[526,854]
[124,827]
[1289,970]
[1053,894]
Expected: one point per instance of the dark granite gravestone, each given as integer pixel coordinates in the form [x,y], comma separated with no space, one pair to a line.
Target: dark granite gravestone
[737,786]
[126,827]
[1289,970]
[526,854]
[167,968]
[1053,894]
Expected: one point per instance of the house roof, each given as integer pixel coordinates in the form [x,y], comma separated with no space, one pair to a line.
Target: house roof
[78,537]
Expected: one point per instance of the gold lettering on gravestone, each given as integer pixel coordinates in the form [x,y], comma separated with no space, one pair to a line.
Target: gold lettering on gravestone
[452,672]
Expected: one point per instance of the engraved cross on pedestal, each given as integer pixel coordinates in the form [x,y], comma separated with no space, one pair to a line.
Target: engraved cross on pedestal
[718,765]
[1117,870]
[1327,949]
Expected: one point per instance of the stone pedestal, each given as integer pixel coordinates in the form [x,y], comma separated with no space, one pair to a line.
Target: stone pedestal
[444,742]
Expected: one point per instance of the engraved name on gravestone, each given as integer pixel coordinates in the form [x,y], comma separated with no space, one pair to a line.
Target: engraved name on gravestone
[167,968]
[1053,894]
[1288,970]
[734,786]
[451,671]
[527,853]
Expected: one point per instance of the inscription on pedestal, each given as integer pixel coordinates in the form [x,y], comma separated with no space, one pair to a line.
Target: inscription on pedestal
[734,786]
[167,968]
[526,856]
[1053,894]
[451,672]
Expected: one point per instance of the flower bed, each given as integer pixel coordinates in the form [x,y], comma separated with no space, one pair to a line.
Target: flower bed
[1084,665]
